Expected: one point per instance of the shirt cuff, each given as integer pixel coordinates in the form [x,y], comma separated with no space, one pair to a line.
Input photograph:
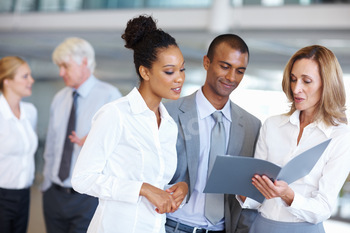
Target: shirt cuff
[127,191]
[248,203]
[297,203]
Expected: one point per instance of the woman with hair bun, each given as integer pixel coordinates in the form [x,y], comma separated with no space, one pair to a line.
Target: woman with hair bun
[18,143]
[130,153]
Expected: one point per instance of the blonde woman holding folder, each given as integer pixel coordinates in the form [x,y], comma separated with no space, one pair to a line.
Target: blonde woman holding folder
[313,83]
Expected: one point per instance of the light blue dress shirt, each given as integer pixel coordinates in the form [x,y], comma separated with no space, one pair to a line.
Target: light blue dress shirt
[192,213]
[93,94]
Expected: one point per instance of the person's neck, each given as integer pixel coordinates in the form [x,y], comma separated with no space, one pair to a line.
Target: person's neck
[13,101]
[151,101]
[80,84]
[217,101]
[306,118]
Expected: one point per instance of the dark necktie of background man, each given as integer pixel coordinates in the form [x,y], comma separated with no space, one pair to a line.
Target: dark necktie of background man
[68,145]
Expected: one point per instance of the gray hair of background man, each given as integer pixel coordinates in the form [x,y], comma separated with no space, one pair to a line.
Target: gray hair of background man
[77,49]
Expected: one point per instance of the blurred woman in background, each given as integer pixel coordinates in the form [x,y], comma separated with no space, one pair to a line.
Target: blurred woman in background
[18,144]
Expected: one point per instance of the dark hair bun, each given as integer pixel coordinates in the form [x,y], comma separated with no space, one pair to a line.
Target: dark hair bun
[137,28]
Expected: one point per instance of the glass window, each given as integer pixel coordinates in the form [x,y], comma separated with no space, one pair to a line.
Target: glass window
[5,5]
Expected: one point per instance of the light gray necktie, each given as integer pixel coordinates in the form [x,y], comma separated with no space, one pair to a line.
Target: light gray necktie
[214,203]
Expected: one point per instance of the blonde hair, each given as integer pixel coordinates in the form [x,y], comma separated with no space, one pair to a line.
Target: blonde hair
[77,49]
[331,107]
[8,68]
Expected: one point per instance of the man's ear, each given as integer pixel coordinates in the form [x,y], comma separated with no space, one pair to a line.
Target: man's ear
[144,72]
[206,62]
[85,67]
[85,61]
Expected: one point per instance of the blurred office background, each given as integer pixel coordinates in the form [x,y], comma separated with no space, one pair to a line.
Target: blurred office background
[273,30]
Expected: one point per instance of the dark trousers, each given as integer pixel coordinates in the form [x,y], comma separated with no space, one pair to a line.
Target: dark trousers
[67,212]
[14,210]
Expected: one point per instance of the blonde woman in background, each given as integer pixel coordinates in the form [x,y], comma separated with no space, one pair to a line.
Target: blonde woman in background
[18,143]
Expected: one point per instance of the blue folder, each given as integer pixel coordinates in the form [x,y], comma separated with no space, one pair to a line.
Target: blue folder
[233,174]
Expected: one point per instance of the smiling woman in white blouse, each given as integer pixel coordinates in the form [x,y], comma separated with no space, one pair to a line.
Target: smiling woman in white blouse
[313,83]
[18,143]
[129,155]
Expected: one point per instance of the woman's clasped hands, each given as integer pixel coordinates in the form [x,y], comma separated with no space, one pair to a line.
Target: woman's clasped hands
[167,201]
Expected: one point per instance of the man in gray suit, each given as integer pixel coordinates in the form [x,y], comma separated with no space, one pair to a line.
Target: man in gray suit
[225,63]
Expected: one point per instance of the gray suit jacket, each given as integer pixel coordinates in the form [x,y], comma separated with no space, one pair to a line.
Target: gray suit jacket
[243,136]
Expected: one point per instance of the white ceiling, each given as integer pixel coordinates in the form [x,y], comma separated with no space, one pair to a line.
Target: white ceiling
[270,33]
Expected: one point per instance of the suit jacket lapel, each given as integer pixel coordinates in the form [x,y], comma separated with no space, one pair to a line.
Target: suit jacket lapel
[236,132]
[189,124]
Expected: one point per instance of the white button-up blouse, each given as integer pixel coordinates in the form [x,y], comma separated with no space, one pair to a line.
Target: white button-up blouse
[316,193]
[124,149]
[18,143]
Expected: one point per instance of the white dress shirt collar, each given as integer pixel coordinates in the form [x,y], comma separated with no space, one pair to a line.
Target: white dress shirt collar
[294,119]
[138,105]
[86,87]
[6,110]
[205,108]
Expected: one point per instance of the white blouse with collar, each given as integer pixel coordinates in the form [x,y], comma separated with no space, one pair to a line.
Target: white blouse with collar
[315,194]
[18,143]
[124,149]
